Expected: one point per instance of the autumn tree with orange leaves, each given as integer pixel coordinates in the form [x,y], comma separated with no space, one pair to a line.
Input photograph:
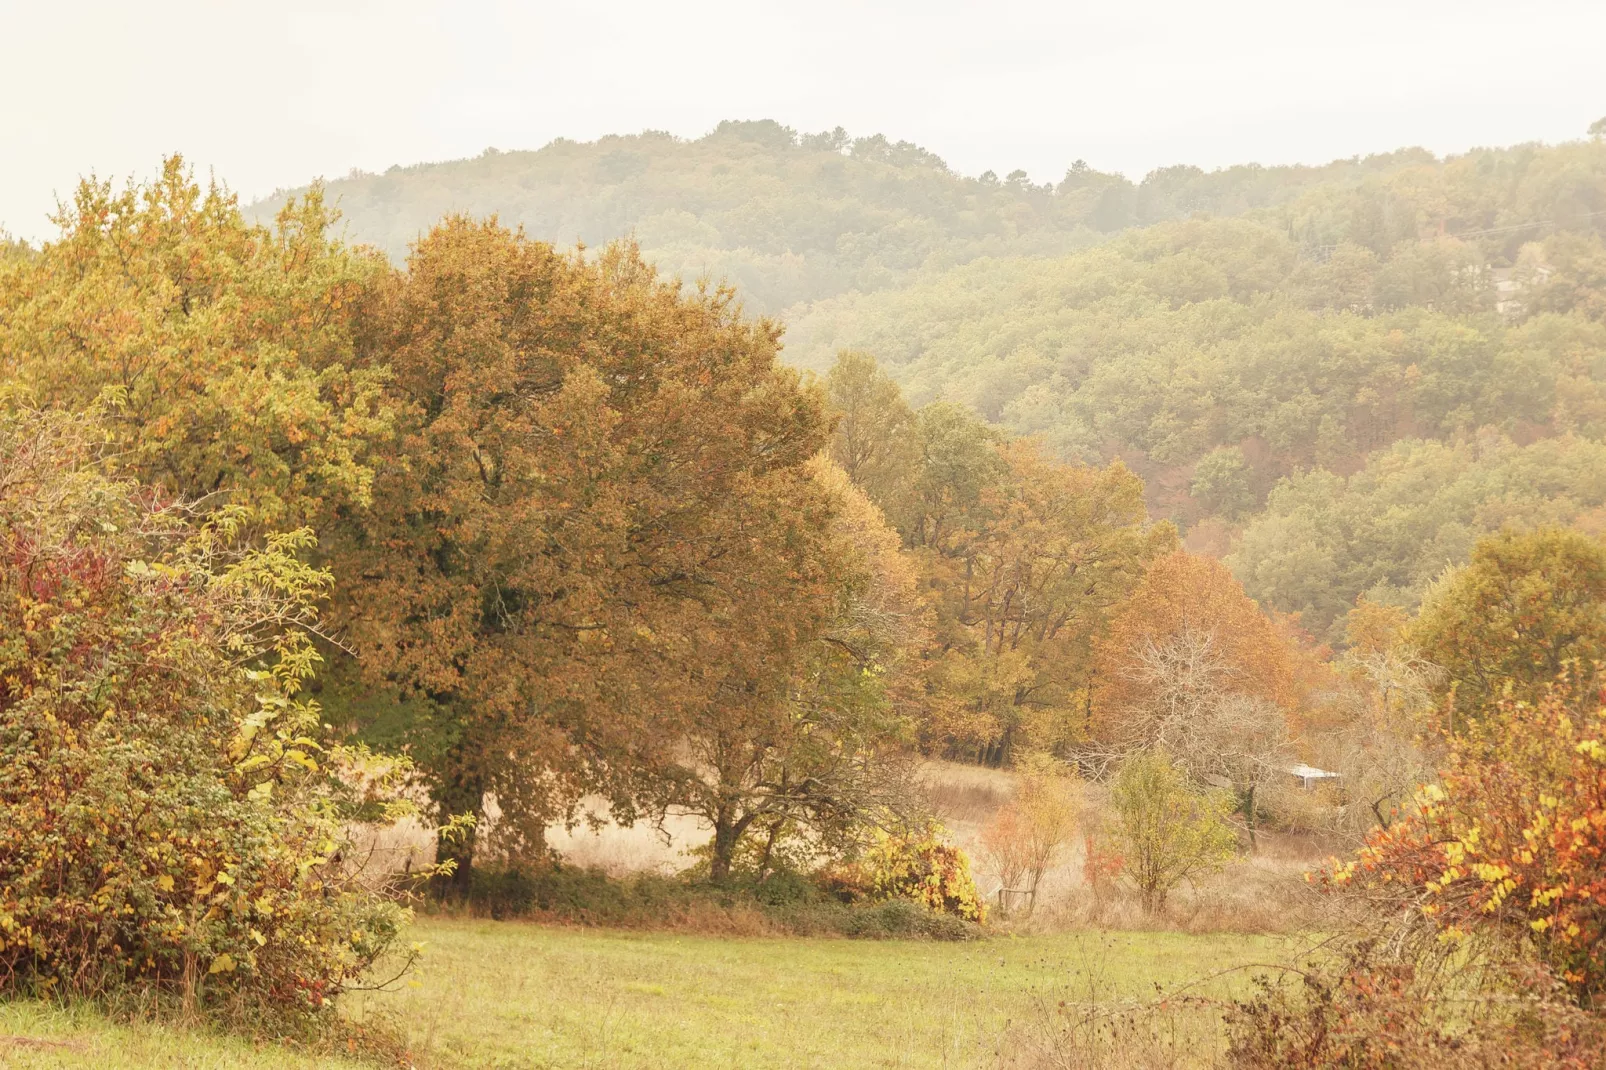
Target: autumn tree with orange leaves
[1192,667]
[1022,559]
[1508,845]
[1184,593]
[599,535]
[1024,593]
[570,510]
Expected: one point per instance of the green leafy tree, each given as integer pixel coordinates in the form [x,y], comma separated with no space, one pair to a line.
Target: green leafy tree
[956,463]
[1389,529]
[1222,482]
[1167,832]
[225,348]
[876,440]
[1527,605]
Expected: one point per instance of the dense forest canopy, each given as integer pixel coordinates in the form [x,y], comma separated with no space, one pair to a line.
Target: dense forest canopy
[1267,347]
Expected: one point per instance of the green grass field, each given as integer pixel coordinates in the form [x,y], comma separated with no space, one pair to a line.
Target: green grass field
[505,994]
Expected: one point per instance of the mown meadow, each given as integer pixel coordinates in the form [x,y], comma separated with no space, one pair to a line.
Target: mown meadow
[511,994]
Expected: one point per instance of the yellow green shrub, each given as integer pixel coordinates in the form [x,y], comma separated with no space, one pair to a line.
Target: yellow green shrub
[921,867]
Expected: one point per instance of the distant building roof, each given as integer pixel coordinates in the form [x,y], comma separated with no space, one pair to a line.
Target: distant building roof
[1310,772]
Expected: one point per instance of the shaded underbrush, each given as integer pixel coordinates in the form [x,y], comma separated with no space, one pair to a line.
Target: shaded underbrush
[780,905]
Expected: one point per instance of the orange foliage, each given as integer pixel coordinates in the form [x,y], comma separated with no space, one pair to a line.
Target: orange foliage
[1021,589]
[1512,842]
[1311,673]
[598,531]
[1183,592]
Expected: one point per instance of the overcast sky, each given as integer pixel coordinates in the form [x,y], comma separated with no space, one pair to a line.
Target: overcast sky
[272,94]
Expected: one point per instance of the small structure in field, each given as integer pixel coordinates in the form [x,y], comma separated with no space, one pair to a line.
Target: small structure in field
[1013,899]
[1311,778]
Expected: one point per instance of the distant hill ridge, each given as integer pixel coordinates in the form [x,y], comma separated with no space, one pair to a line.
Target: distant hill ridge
[791,218]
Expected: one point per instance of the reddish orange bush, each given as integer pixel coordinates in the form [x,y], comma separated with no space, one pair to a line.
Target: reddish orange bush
[1511,843]
[170,819]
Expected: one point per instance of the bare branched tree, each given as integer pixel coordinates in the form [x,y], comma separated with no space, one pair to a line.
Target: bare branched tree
[1377,750]
[1196,713]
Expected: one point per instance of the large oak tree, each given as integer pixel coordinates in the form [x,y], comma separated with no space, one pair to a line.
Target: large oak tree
[598,530]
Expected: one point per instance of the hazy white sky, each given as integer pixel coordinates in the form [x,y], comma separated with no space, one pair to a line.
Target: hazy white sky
[271,94]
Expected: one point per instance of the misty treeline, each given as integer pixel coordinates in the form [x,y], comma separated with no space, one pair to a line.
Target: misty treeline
[791,218]
[1334,419]
[1337,378]
[293,533]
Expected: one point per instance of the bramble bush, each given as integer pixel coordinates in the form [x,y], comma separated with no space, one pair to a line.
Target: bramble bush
[1482,938]
[170,817]
[1509,848]
[1365,1012]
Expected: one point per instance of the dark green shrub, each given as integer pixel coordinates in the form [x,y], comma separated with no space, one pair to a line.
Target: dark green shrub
[783,902]
[785,888]
[571,893]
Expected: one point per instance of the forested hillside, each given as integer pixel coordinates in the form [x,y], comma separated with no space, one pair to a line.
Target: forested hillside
[773,596]
[1172,532]
[1371,358]
[789,218]
[1267,347]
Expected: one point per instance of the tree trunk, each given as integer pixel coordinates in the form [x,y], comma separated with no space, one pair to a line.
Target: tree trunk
[1249,817]
[462,793]
[769,849]
[1031,899]
[725,837]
